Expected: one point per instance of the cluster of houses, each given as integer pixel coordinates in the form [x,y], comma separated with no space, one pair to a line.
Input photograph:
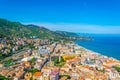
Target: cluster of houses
[77,63]
[11,46]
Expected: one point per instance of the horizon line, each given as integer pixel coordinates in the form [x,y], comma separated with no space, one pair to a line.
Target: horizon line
[78,28]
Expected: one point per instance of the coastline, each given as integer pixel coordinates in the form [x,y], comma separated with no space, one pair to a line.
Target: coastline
[93,52]
[104,45]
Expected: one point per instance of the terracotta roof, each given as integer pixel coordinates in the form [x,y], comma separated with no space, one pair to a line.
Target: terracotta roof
[80,79]
[45,67]
[106,66]
[63,78]
[62,71]
[72,79]
[37,74]
[4,72]
[55,69]
[27,63]
[86,66]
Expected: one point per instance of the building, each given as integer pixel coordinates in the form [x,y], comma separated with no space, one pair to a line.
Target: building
[54,75]
[46,76]
[28,76]
[37,76]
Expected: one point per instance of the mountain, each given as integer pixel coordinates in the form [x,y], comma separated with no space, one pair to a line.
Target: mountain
[68,34]
[16,29]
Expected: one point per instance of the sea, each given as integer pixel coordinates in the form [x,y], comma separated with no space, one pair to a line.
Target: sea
[105,44]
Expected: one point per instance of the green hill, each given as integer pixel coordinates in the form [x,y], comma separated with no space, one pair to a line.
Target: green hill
[16,29]
[68,34]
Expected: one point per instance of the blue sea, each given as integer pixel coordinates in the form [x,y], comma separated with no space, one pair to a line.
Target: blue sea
[108,45]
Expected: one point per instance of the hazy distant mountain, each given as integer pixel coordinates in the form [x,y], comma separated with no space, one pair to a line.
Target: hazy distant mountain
[69,34]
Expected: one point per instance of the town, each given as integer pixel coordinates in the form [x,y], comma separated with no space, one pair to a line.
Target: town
[42,59]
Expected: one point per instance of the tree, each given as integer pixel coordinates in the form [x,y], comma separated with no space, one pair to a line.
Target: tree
[117,68]
[56,61]
[3,78]
[68,76]
[33,70]
[62,60]
[32,60]
[79,55]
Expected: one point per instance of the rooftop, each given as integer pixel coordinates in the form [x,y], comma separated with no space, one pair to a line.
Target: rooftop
[37,74]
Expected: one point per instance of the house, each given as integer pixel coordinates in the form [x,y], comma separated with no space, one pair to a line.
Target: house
[11,74]
[54,75]
[66,68]
[62,72]
[35,53]
[27,64]
[1,65]
[38,65]
[114,74]
[63,78]
[28,76]
[46,76]
[4,72]
[75,75]
[46,70]
[37,76]
[18,73]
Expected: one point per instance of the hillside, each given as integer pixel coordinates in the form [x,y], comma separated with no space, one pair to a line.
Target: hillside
[16,29]
[68,34]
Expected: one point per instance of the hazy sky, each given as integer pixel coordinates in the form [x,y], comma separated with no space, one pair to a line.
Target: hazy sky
[86,16]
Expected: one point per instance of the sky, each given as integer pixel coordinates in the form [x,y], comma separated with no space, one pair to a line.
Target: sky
[83,16]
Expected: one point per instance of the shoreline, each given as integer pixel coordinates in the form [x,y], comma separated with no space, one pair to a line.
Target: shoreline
[94,52]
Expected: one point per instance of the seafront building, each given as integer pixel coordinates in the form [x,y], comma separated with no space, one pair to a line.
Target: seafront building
[58,61]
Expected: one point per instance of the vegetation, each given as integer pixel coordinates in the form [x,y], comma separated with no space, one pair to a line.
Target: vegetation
[3,78]
[79,55]
[33,70]
[56,61]
[117,68]
[102,70]
[68,76]
[9,63]
[1,56]
[59,63]
[32,60]
[10,30]
[15,29]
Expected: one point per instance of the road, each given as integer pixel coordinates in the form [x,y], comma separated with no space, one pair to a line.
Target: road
[18,53]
